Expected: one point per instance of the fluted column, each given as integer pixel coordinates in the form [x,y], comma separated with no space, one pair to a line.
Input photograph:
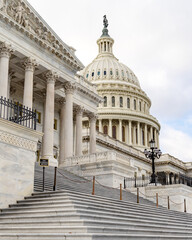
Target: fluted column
[145,133]
[100,125]
[110,128]
[5,53]
[130,133]
[49,115]
[120,130]
[92,143]
[134,135]
[138,134]
[62,132]
[155,137]
[29,65]
[79,113]
[68,145]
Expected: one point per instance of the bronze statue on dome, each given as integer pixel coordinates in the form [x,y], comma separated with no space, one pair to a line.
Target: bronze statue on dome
[105,21]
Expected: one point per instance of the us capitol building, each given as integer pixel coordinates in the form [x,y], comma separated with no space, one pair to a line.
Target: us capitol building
[92,121]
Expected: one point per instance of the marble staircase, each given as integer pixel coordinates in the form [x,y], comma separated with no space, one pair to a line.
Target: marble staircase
[72,213]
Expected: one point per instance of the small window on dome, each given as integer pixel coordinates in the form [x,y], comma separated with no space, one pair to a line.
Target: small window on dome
[105,101]
[122,73]
[92,74]
[140,106]
[105,72]
[128,102]
[135,105]
[87,75]
[98,73]
[121,101]
[111,72]
[127,74]
[113,101]
[117,73]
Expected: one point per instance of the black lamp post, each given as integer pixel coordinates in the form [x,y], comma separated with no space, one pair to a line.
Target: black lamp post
[154,153]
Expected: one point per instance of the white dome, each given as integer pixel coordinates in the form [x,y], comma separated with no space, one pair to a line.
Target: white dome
[107,67]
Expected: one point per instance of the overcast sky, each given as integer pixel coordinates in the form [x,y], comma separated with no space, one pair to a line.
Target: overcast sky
[153,38]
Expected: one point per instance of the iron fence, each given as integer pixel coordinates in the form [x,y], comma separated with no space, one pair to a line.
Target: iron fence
[15,112]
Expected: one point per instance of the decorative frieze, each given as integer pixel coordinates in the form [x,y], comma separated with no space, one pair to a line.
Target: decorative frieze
[19,14]
[18,141]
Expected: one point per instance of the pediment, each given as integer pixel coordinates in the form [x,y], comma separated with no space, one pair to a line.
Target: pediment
[22,15]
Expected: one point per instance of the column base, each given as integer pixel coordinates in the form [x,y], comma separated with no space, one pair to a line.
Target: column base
[52,161]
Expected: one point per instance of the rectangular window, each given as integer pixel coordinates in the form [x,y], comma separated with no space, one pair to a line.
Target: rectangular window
[38,117]
[55,124]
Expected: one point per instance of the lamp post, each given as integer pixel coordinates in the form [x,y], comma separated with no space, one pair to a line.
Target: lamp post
[154,153]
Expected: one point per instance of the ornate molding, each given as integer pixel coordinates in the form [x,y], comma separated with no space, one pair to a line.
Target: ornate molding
[5,50]
[79,110]
[20,15]
[18,141]
[69,88]
[30,64]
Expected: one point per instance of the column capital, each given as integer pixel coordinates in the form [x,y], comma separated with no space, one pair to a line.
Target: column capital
[69,88]
[61,101]
[5,50]
[92,117]
[79,110]
[51,76]
[30,64]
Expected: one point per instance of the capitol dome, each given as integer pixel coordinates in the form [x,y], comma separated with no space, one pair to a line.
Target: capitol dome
[125,111]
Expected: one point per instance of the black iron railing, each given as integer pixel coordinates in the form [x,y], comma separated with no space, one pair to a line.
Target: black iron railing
[15,112]
[161,179]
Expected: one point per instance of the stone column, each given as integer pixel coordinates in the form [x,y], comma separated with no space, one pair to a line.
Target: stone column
[5,53]
[92,148]
[110,128]
[49,116]
[126,133]
[130,133]
[145,132]
[120,130]
[155,137]
[62,132]
[151,133]
[138,134]
[158,139]
[100,125]
[29,65]
[79,113]
[68,145]
[134,135]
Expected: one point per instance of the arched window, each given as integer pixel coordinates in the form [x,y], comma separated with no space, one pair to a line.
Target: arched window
[122,73]
[140,106]
[114,132]
[135,105]
[143,138]
[98,73]
[105,101]
[87,75]
[105,72]
[113,101]
[128,102]
[92,74]
[123,133]
[111,72]
[117,73]
[105,129]
[121,101]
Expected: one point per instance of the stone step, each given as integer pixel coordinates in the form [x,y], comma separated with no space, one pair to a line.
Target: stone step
[93,223]
[95,229]
[85,205]
[88,236]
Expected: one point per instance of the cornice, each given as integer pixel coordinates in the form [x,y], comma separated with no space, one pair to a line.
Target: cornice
[35,28]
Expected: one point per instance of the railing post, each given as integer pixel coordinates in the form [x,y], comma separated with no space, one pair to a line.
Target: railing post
[121,192]
[93,192]
[43,179]
[55,180]
[157,201]
[185,206]
[168,203]
[137,195]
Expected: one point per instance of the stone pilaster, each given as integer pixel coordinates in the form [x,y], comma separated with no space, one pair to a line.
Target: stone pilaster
[49,116]
[145,135]
[68,123]
[79,112]
[130,133]
[5,53]
[93,119]
[29,65]
[138,134]
[110,128]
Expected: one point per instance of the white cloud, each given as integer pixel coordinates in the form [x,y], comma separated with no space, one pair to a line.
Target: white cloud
[176,143]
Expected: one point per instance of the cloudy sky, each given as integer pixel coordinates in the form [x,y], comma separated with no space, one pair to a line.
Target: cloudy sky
[153,38]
